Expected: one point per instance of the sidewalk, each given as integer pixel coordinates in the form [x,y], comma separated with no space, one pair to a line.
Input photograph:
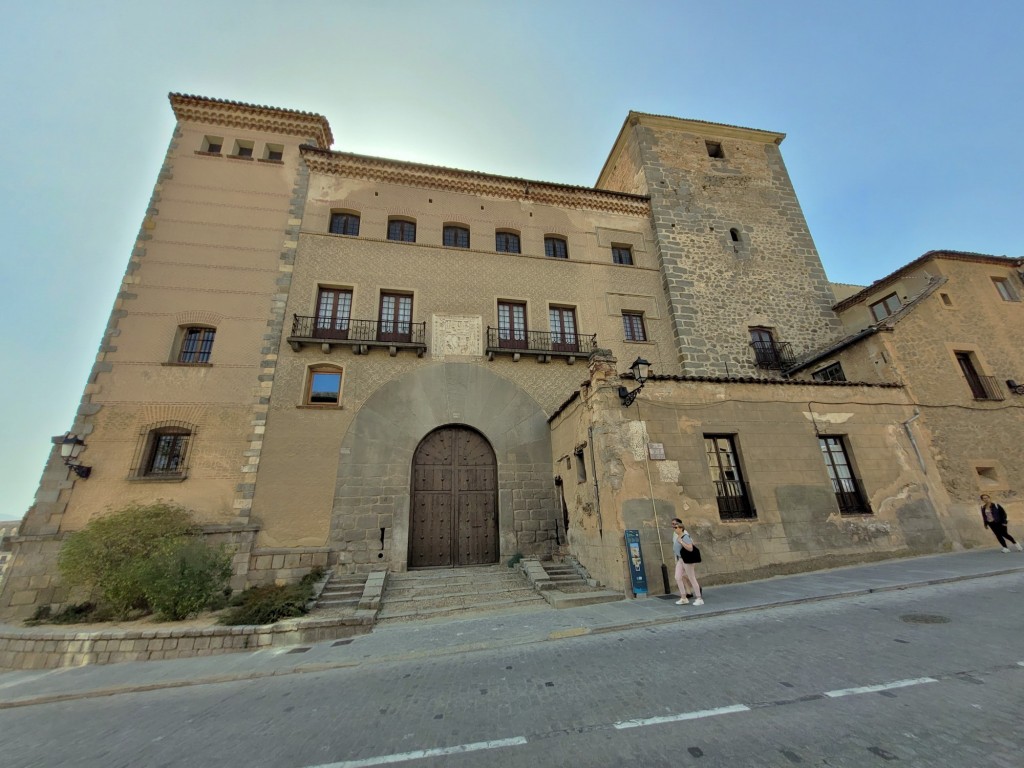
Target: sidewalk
[412,640]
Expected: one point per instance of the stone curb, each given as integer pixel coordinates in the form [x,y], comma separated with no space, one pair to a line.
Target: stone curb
[490,645]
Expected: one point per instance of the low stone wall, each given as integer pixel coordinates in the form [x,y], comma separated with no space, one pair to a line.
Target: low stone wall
[35,648]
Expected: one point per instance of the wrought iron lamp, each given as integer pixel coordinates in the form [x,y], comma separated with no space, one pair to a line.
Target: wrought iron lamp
[640,369]
[70,448]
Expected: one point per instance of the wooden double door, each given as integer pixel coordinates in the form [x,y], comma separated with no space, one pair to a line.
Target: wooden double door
[454,512]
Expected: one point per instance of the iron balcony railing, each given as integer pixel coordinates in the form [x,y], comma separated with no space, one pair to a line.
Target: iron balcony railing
[733,499]
[850,496]
[515,340]
[985,388]
[773,354]
[334,329]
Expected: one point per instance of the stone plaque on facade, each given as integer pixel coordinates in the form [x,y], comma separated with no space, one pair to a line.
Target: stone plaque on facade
[656,451]
[457,335]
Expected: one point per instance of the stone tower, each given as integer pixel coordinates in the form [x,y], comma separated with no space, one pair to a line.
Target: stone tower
[738,263]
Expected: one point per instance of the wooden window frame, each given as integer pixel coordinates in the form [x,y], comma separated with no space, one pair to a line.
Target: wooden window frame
[398,325]
[402,230]
[333,318]
[323,370]
[510,334]
[565,337]
[622,254]
[455,236]
[885,304]
[504,247]
[633,326]
[196,352]
[344,223]
[556,247]
[731,492]
[845,484]
[828,373]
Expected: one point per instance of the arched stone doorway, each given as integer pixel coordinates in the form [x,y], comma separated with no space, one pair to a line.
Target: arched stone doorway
[453,519]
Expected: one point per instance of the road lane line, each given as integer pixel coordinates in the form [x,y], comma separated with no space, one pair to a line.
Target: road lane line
[883,687]
[421,753]
[682,716]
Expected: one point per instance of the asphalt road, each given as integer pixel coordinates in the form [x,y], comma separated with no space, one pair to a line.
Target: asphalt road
[931,676]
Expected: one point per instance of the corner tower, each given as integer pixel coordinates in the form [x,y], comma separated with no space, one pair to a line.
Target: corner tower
[745,287]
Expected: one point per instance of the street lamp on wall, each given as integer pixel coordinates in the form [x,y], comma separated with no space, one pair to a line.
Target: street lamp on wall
[70,448]
[640,369]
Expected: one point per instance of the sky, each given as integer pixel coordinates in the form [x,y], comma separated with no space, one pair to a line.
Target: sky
[903,122]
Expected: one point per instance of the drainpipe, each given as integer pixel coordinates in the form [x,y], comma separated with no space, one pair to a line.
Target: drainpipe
[913,442]
[593,474]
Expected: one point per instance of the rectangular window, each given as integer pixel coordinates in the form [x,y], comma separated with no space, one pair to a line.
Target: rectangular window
[395,317]
[167,452]
[848,489]
[1006,290]
[402,230]
[622,254]
[273,152]
[633,325]
[887,306]
[213,144]
[333,313]
[455,237]
[324,387]
[556,248]
[196,345]
[512,325]
[506,242]
[832,372]
[731,491]
[563,329]
[982,387]
[243,148]
[714,149]
[344,224]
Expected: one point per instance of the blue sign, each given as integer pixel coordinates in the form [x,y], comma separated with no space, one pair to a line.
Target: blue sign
[635,558]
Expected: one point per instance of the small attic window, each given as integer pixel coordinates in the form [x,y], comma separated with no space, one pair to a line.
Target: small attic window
[243,148]
[714,149]
[212,144]
[946,300]
[273,152]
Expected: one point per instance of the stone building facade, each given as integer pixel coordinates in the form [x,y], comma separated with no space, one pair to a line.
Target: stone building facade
[372,364]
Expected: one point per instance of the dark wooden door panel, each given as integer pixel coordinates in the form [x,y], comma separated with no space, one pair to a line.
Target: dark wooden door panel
[454,519]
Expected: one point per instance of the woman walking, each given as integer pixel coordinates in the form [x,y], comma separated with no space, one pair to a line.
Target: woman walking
[994,517]
[686,555]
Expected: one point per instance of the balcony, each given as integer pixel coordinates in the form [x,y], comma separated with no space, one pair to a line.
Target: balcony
[734,500]
[850,496]
[360,335]
[985,387]
[540,344]
[773,355]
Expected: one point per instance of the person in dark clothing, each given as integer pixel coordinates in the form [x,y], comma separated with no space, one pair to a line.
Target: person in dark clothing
[994,517]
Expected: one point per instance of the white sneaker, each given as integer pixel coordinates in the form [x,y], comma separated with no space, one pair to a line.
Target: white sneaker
[682,601]
[1019,547]
[698,601]
[1005,549]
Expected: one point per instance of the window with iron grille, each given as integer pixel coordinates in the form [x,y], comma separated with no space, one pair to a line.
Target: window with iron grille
[833,372]
[731,491]
[887,306]
[848,489]
[556,248]
[633,325]
[196,345]
[344,223]
[163,451]
[402,230]
[455,237]
[506,242]
[622,254]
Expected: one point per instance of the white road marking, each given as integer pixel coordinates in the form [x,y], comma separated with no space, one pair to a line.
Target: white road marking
[882,687]
[421,753]
[682,716]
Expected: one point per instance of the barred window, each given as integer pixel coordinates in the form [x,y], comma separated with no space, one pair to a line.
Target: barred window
[196,345]
[163,451]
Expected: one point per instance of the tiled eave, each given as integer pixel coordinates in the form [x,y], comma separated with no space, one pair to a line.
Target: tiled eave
[770,382]
[237,114]
[472,182]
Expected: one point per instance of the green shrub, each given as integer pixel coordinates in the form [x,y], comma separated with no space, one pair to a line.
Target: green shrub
[514,560]
[117,556]
[269,603]
[182,575]
[77,613]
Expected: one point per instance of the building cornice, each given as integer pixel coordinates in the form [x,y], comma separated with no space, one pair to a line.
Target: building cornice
[977,258]
[235,114]
[472,182]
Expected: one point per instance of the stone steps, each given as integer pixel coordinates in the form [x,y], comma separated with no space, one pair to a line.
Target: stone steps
[342,591]
[449,592]
[564,583]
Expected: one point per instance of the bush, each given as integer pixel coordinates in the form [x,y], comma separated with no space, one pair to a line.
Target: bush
[183,575]
[121,554]
[77,613]
[270,603]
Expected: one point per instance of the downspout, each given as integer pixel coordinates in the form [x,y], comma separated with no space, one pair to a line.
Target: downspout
[913,442]
[593,474]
